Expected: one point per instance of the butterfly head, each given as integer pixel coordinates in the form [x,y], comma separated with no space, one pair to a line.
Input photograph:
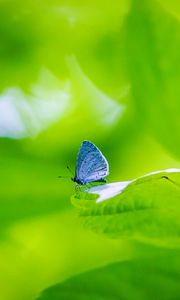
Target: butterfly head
[75,179]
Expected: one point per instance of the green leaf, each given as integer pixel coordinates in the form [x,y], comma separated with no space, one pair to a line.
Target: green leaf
[145,209]
[151,46]
[153,277]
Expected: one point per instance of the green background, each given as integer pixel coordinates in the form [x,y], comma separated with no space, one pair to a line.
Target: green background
[74,70]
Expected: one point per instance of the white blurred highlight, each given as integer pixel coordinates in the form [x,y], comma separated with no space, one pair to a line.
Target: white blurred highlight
[23,115]
[104,108]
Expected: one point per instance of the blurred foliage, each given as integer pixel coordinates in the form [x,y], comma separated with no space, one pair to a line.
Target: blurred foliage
[70,70]
[155,279]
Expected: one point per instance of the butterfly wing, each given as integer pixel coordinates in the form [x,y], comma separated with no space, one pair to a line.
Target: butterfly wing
[84,149]
[91,164]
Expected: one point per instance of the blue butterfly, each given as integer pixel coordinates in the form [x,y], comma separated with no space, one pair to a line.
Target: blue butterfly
[91,165]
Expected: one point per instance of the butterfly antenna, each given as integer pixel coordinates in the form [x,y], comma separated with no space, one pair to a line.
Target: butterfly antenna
[63,176]
[70,170]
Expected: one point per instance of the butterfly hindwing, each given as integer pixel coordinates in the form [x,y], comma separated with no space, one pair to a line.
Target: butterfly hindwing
[91,164]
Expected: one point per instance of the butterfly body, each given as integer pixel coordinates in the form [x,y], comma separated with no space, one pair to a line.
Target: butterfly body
[91,165]
[79,182]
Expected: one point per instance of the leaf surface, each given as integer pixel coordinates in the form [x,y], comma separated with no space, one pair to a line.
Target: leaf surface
[145,209]
[154,277]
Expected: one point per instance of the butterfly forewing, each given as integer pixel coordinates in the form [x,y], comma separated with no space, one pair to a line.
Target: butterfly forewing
[85,148]
[91,165]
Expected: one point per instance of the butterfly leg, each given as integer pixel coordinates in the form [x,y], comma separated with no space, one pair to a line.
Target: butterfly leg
[77,187]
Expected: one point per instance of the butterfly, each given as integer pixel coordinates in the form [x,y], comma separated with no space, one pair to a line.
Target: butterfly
[91,165]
